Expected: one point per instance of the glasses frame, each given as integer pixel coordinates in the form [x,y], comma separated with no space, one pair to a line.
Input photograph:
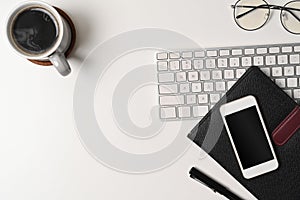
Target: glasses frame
[269,7]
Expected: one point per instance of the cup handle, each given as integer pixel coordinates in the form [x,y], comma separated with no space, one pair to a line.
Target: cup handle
[60,62]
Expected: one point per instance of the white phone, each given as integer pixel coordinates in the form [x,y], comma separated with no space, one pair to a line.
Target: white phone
[249,137]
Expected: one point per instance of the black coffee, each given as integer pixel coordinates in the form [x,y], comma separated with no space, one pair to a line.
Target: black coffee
[34,31]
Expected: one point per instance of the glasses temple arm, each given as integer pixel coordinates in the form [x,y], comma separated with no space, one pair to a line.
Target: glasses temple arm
[292,13]
[251,10]
[290,10]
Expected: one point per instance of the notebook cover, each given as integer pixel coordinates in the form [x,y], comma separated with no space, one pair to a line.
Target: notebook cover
[275,105]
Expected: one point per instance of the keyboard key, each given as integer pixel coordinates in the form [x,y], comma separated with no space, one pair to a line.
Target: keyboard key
[214,98]
[187,54]
[289,92]
[174,65]
[211,53]
[220,86]
[200,111]
[289,71]
[249,51]
[216,75]
[297,93]
[236,52]
[166,113]
[181,76]
[171,100]
[184,87]
[165,77]
[294,59]
[198,64]
[204,75]
[222,62]
[282,59]
[286,49]
[270,60]
[184,111]
[193,76]
[266,71]
[280,82]
[292,82]
[224,52]
[230,84]
[240,72]
[162,56]
[298,70]
[297,48]
[234,62]
[162,66]
[174,55]
[168,89]
[199,54]
[274,50]
[202,98]
[258,60]
[208,86]
[261,50]
[196,87]
[228,74]
[276,71]
[191,99]
[246,61]
[210,63]
[186,64]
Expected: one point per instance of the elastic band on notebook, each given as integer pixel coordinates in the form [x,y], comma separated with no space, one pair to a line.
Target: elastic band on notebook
[287,128]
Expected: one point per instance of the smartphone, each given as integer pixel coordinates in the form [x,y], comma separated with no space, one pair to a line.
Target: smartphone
[249,137]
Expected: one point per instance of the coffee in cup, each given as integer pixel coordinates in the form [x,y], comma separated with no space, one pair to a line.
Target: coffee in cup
[38,32]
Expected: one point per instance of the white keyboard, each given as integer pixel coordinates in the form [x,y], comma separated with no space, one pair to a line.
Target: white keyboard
[192,82]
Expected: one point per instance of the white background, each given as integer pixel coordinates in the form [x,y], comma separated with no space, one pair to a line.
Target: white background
[40,151]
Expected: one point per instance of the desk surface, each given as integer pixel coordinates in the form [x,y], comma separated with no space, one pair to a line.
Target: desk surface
[43,155]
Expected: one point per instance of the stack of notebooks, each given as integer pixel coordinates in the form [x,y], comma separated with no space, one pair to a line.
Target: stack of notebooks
[281,115]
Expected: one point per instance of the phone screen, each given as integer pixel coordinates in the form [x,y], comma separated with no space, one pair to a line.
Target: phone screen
[249,137]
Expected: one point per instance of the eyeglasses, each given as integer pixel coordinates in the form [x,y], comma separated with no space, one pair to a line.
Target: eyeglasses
[253,14]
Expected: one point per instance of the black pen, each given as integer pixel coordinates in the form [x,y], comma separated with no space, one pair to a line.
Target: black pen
[215,186]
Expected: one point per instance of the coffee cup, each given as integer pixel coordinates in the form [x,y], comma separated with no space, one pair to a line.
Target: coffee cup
[38,32]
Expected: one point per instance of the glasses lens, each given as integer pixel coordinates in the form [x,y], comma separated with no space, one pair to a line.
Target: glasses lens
[251,14]
[290,17]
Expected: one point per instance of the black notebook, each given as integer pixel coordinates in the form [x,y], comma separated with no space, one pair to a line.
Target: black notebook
[276,107]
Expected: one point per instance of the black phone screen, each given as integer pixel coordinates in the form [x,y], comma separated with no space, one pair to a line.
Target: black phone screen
[249,137]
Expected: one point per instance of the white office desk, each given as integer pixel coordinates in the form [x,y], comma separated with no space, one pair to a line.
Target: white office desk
[42,153]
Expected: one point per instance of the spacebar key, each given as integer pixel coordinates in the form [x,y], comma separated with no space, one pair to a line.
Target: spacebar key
[171,100]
